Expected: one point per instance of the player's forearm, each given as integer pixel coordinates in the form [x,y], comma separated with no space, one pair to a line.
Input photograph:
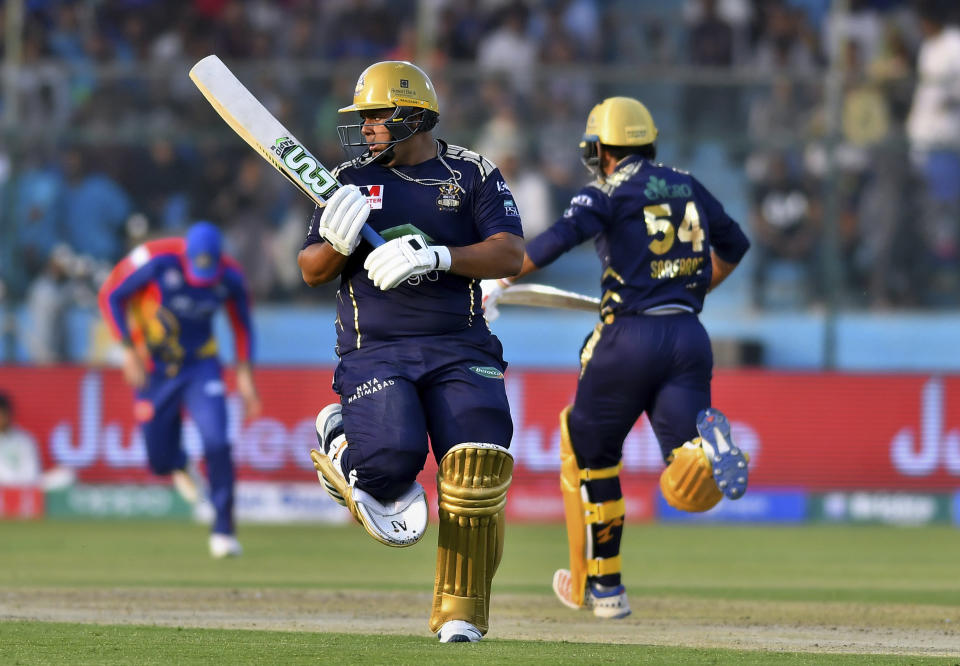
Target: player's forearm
[499,256]
[320,263]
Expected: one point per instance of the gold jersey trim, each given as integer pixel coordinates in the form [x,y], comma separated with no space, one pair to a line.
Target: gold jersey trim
[587,354]
[356,311]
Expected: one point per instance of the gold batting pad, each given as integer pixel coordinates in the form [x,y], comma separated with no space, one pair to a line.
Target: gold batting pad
[472,484]
[687,482]
[573,509]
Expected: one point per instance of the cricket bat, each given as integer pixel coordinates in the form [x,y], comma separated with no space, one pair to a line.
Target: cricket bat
[544,296]
[259,128]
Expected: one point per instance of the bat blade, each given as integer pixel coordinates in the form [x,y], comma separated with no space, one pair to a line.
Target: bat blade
[544,296]
[264,133]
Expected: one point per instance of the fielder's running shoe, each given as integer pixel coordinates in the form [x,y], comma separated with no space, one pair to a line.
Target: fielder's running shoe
[458,631]
[224,545]
[610,604]
[729,462]
[189,482]
[332,443]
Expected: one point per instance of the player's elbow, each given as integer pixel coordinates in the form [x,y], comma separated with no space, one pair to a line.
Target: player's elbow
[315,268]
[511,255]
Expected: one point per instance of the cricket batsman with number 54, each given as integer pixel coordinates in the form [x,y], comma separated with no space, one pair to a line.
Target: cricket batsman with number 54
[664,242]
[416,356]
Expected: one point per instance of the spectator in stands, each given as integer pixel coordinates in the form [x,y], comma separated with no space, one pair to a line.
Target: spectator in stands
[19,457]
[95,209]
[510,50]
[708,111]
[785,216]
[933,127]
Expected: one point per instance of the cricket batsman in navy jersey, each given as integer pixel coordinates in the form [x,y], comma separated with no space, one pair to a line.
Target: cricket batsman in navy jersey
[664,242]
[159,301]
[417,360]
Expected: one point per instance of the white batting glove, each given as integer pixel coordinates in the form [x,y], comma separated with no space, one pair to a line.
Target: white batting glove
[343,217]
[491,291]
[400,259]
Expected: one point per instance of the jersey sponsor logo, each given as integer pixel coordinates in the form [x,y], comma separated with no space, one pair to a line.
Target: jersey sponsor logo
[370,387]
[487,371]
[374,195]
[581,200]
[510,208]
[503,188]
[658,188]
[172,279]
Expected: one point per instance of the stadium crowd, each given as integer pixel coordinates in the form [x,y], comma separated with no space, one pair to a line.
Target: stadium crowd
[108,143]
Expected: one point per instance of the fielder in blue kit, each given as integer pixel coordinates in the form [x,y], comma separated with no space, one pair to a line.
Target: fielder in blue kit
[159,301]
[664,241]
[418,362]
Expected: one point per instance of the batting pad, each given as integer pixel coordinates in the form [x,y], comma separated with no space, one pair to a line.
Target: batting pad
[687,482]
[398,523]
[581,513]
[472,484]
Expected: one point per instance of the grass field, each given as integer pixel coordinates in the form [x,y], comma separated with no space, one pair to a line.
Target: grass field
[127,592]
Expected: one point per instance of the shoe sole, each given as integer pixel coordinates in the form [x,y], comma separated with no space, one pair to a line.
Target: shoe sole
[729,462]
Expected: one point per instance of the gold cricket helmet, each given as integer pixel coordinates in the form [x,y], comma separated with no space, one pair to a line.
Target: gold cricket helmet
[620,121]
[393,83]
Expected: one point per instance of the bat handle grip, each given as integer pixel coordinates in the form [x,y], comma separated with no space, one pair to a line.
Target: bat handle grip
[371,236]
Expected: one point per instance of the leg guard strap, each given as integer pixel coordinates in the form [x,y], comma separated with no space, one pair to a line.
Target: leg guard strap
[472,484]
[604,512]
[603,566]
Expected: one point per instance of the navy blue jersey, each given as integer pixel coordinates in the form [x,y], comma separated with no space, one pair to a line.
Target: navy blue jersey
[653,227]
[477,207]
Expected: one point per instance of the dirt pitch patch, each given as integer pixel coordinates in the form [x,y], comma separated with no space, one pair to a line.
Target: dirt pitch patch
[898,629]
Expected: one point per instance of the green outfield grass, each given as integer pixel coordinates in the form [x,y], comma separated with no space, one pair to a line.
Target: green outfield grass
[861,565]
[33,643]
[834,563]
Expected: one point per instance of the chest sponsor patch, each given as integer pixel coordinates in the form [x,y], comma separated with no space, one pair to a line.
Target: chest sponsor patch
[487,371]
[374,195]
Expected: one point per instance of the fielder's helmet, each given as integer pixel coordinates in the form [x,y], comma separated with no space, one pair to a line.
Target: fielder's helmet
[397,85]
[616,121]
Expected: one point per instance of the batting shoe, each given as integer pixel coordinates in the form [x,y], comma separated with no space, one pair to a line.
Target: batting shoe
[606,603]
[729,462]
[224,545]
[189,482]
[332,443]
[458,631]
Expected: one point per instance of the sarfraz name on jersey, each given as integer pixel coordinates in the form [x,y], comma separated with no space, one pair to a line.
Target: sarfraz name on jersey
[370,387]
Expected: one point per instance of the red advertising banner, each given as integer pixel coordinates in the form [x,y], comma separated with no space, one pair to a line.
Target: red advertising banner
[812,431]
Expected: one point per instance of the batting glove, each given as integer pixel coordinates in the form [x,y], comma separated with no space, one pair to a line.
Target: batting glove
[402,258]
[343,217]
[491,290]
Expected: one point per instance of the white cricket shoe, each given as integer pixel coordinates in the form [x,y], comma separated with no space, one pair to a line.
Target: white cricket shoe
[224,545]
[333,442]
[189,482]
[610,604]
[458,631]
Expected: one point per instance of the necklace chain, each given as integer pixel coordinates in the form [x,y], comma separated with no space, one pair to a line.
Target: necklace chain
[454,178]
